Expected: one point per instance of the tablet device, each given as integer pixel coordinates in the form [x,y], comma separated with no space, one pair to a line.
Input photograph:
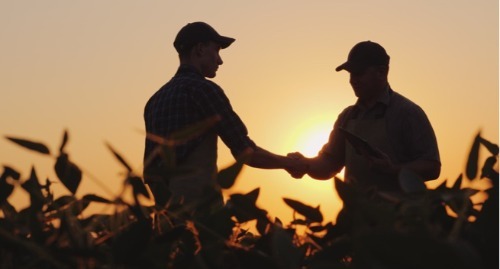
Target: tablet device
[359,144]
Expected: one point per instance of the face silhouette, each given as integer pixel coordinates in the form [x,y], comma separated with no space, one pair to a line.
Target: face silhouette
[209,59]
[367,83]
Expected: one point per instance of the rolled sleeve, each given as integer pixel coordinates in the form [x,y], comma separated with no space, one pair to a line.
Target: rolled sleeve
[231,129]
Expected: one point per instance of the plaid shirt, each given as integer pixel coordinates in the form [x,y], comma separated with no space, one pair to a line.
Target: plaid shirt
[188,98]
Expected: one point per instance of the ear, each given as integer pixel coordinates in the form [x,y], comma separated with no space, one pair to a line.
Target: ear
[199,49]
[382,71]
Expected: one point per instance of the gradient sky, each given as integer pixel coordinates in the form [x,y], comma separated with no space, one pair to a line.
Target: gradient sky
[90,66]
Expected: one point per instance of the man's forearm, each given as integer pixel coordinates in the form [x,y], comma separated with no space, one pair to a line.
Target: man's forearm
[321,169]
[261,158]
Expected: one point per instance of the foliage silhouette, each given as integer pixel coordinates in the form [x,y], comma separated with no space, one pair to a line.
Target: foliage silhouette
[373,230]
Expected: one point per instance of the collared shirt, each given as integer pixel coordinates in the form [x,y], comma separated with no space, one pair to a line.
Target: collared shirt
[409,131]
[188,98]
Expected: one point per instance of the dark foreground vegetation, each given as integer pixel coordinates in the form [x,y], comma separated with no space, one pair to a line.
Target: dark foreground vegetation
[373,229]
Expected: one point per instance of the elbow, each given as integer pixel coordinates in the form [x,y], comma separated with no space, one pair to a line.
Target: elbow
[323,174]
[434,171]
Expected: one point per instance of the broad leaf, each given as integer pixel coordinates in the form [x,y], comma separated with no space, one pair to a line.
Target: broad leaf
[492,148]
[61,202]
[138,186]
[35,146]
[10,172]
[458,183]
[5,190]
[345,191]
[244,208]
[471,169]
[488,169]
[9,211]
[317,228]
[68,173]
[226,177]
[32,186]
[95,198]
[64,141]
[311,213]
[120,158]
[5,187]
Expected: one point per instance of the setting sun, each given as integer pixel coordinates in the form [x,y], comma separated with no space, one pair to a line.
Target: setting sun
[310,137]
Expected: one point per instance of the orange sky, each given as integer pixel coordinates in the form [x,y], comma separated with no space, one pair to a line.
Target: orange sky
[90,66]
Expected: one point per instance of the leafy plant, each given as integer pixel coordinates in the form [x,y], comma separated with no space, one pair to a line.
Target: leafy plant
[373,230]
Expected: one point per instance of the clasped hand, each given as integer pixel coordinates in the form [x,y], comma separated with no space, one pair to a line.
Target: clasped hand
[299,165]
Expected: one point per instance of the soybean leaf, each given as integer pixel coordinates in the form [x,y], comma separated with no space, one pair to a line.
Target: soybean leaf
[9,211]
[61,202]
[244,208]
[227,176]
[64,141]
[471,169]
[488,169]
[138,186]
[35,146]
[277,221]
[10,172]
[457,184]
[253,195]
[299,222]
[317,228]
[68,173]
[32,186]
[119,157]
[442,186]
[311,213]
[95,198]
[5,190]
[492,148]
[345,191]
[5,187]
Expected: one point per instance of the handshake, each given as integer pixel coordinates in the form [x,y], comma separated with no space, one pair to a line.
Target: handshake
[297,165]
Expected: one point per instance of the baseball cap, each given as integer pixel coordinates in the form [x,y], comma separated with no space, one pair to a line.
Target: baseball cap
[197,32]
[363,55]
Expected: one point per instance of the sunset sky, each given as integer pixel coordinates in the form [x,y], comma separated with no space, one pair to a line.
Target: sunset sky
[90,66]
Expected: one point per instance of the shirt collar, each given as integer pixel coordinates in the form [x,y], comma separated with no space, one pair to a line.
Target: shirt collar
[187,69]
[383,99]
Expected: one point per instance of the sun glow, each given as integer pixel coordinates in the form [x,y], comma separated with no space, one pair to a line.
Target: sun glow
[311,137]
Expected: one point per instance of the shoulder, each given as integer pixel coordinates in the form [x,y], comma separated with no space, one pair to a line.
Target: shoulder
[403,106]
[346,111]
[344,116]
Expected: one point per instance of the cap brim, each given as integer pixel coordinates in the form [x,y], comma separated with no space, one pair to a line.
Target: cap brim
[341,67]
[350,67]
[225,41]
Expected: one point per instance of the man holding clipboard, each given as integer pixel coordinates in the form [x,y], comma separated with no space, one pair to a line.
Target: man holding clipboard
[380,135]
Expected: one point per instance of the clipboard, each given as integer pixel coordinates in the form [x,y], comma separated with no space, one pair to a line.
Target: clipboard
[360,144]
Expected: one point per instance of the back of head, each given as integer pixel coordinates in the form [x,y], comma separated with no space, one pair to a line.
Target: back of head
[198,32]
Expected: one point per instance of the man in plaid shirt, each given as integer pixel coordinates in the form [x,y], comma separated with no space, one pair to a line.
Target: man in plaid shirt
[187,115]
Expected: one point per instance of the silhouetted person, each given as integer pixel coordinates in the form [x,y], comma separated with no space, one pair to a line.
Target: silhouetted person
[397,128]
[189,99]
